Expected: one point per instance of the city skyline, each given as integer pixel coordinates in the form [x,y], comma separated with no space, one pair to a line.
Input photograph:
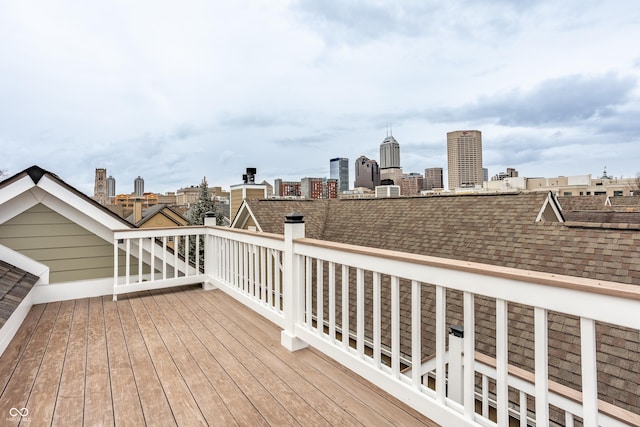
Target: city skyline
[173,94]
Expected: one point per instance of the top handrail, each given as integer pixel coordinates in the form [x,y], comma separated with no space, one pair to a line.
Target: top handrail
[603,287]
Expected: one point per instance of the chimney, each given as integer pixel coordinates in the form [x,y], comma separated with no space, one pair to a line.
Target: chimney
[137,210]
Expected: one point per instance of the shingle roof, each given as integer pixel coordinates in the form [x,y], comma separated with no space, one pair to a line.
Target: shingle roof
[581,203]
[491,229]
[15,284]
[498,230]
[625,201]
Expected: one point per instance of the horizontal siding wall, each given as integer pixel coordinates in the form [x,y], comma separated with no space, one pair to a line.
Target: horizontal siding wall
[70,251]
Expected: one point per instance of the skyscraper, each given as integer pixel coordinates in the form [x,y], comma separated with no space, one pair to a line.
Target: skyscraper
[367,173]
[100,186]
[390,160]
[111,189]
[138,186]
[339,169]
[464,154]
[433,178]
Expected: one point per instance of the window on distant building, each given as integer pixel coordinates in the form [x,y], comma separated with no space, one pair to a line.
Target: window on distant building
[618,193]
[568,193]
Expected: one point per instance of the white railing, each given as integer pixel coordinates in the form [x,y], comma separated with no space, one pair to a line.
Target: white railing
[157,257]
[374,310]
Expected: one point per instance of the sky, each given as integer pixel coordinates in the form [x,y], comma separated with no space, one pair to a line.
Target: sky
[175,91]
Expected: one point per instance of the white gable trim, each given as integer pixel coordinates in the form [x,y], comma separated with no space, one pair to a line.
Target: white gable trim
[15,189]
[18,204]
[23,194]
[243,215]
[550,203]
[84,207]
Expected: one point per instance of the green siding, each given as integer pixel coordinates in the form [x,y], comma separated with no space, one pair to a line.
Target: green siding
[70,251]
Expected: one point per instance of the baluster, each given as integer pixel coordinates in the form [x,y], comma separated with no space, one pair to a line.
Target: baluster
[469,355]
[441,335]
[485,397]
[541,366]
[589,372]
[345,307]
[308,292]
[332,302]
[127,263]
[395,326]
[186,255]
[164,257]
[523,409]
[176,247]
[416,333]
[360,312]
[502,361]
[153,258]
[377,346]
[320,296]
[140,263]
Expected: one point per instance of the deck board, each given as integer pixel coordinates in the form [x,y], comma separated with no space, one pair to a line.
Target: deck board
[16,393]
[179,356]
[98,406]
[42,398]
[71,389]
[126,405]
[155,406]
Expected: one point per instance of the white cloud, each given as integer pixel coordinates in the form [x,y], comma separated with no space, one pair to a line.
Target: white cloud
[174,92]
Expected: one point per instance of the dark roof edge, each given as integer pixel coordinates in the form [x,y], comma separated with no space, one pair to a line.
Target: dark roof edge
[36,173]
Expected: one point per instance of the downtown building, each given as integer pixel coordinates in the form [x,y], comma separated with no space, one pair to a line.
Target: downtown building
[433,179]
[339,170]
[464,154]
[367,173]
[390,160]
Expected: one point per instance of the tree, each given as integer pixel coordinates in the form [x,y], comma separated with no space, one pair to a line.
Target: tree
[3,174]
[634,189]
[196,216]
[203,205]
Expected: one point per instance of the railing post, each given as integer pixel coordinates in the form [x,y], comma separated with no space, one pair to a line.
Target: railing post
[209,252]
[292,283]
[456,377]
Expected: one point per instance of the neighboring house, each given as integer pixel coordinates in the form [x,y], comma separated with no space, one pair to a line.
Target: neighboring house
[158,216]
[525,231]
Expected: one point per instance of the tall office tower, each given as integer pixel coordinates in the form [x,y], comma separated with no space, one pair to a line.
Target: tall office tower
[339,169]
[100,186]
[433,178]
[464,153]
[367,173]
[138,186]
[111,190]
[390,160]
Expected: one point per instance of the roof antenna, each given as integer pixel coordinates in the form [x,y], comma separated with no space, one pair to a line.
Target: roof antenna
[390,130]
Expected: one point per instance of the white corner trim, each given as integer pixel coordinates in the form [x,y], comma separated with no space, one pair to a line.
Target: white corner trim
[25,263]
[72,290]
[13,323]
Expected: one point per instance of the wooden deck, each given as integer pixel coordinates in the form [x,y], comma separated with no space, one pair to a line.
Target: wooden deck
[177,357]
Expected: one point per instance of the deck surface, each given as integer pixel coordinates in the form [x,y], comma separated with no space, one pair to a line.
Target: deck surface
[177,357]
